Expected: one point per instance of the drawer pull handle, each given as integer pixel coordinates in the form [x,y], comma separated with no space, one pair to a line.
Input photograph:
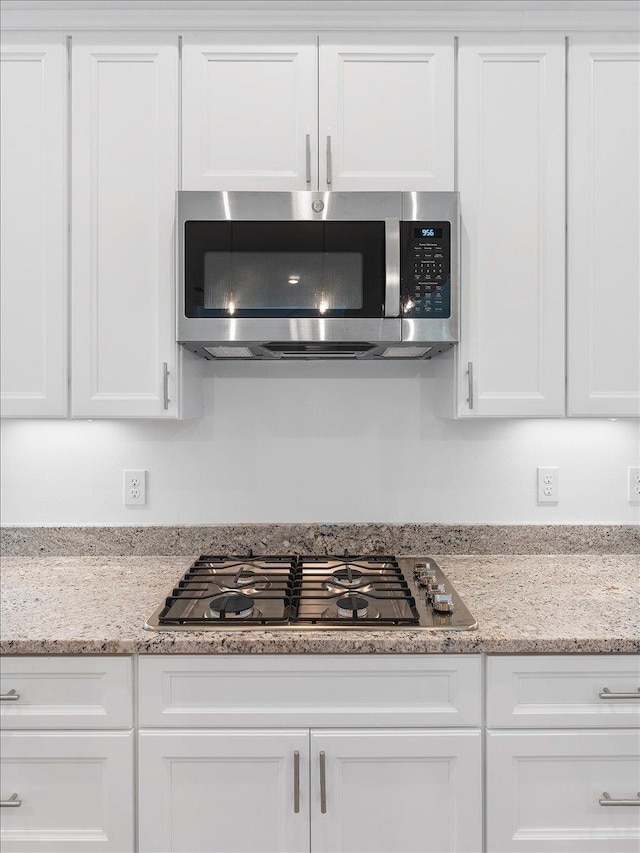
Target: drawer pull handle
[10,696]
[323,783]
[607,800]
[607,694]
[13,802]
[296,782]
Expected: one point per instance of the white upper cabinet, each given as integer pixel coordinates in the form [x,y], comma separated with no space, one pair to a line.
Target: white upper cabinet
[250,107]
[511,121]
[603,369]
[125,361]
[34,224]
[386,107]
[249,111]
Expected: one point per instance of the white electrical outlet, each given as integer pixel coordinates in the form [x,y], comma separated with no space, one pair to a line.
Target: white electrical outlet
[135,488]
[548,485]
[634,485]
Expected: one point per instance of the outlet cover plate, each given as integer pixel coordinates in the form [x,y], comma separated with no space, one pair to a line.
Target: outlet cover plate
[135,488]
[634,485]
[548,485]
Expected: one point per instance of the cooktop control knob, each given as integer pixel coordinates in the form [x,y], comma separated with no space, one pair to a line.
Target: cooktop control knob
[419,569]
[434,589]
[442,602]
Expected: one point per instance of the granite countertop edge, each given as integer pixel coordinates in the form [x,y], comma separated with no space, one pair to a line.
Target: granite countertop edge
[318,644]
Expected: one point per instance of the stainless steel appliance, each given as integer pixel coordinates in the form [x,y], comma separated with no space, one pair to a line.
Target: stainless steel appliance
[374,592]
[317,275]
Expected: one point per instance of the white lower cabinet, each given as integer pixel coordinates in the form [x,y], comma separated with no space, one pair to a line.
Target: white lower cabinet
[375,791]
[67,755]
[547,791]
[73,792]
[321,753]
[325,790]
[563,754]
[354,753]
[223,791]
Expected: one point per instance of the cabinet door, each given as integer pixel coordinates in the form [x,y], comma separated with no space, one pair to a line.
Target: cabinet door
[396,789]
[544,791]
[604,222]
[74,789]
[249,111]
[386,111]
[511,182]
[34,225]
[223,791]
[124,178]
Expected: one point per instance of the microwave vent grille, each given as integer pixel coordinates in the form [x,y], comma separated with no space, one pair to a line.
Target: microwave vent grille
[405,352]
[230,352]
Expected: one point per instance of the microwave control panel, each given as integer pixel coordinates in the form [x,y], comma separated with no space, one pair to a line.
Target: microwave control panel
[425,278]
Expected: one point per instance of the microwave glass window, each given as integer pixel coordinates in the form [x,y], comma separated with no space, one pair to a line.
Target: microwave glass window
[284,269]
[283,280]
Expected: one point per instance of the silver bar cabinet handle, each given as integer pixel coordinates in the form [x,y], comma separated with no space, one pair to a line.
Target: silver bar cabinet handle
[605,693]
[12,802]
[323,783]
[165,384]
[607,800]
[329,166]
[307,156]
[11,696]
[470,386]
[296,782]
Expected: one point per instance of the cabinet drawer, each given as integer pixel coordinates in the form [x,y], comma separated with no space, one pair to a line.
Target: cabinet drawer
[544,791]
[65,693]
[74,789]
[534,692]
[300,690]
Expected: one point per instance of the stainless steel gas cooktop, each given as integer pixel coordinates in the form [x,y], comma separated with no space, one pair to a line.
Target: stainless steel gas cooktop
[296,592]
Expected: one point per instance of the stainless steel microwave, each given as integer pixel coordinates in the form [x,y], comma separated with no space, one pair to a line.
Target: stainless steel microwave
[309,275]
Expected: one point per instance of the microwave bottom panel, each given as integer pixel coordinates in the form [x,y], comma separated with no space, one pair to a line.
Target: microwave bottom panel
[288,351]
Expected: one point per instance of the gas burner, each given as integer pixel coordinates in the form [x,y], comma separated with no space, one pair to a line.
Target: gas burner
[235,605]
[245,580]
[351,607]
[346,579]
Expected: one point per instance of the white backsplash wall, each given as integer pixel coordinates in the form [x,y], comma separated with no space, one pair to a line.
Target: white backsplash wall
[318,442]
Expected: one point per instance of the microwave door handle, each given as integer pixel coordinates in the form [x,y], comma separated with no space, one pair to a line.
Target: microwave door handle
[392,272]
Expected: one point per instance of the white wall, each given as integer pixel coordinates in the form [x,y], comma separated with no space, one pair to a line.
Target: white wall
[322,442]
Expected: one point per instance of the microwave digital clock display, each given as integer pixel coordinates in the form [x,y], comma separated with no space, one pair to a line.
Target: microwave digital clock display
[427,232]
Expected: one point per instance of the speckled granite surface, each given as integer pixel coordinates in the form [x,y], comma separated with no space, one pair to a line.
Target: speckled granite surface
[524,605]
[323,539]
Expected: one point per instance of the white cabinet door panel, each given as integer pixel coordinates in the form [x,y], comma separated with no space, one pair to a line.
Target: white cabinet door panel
[386,111]
[544,790]
[249,110]
[512,203]
[224,791]
[75,788]
[124,178]
[400,790]
[604,223]
[33,218]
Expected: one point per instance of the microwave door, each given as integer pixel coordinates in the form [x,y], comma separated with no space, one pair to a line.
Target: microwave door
[256,281]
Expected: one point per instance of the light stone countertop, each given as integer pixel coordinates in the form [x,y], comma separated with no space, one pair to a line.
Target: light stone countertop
[74,605]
